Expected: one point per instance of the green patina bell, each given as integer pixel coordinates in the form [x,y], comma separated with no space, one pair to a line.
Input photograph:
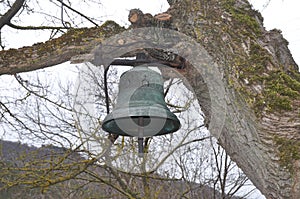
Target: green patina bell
[141,110]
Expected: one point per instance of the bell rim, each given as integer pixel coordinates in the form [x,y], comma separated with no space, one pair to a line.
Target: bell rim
[176,123]
[157,112]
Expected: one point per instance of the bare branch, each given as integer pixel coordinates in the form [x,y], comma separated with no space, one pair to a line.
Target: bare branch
[5,19]
[77,12]
[35,27]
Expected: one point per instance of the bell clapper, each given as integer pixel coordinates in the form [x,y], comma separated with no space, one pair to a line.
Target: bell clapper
[141,137]
[141,147]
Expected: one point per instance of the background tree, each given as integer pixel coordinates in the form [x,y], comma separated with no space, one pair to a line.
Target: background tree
[71,162]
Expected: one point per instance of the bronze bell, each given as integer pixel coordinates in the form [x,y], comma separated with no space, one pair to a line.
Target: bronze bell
[141,110]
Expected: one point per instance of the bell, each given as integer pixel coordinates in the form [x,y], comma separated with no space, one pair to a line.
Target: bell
[141,110]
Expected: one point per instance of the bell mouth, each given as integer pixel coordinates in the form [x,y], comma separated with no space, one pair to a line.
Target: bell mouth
[129,126]
[142,122]
[153,121]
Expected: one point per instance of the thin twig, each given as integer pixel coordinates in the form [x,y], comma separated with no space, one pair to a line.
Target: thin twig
[36,27]
[77,12]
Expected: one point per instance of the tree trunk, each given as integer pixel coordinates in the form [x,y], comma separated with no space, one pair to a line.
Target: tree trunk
[262,83]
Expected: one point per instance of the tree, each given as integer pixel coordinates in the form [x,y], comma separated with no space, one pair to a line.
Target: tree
[261,81]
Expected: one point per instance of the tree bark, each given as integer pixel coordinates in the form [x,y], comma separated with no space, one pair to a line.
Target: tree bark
[262,83]
[73,44]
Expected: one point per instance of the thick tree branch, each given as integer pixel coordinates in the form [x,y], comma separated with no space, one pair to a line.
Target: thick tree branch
[74,42]
[5,19]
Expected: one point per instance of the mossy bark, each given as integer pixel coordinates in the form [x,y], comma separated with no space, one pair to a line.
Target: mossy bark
[73,43]
[263,123]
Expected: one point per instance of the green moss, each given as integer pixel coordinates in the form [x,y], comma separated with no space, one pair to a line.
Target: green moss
[247,21]
[276,102]
[254,66]
[77,35]
[283,84]
[111,27]
[295,75]
[289,151]
[244,17]
[228,4]
[293,80]
[259,55]
[280,88]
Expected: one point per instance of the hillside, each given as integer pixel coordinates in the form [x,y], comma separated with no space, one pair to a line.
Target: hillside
[15,157]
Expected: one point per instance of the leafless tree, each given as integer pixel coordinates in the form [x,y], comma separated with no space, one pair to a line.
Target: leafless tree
[46,109]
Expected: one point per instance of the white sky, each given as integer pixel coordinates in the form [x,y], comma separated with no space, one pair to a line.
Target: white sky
[283,15]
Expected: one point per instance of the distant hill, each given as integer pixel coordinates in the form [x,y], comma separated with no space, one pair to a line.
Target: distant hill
[18,161]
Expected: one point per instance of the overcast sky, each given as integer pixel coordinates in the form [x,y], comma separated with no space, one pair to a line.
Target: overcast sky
[283,15]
